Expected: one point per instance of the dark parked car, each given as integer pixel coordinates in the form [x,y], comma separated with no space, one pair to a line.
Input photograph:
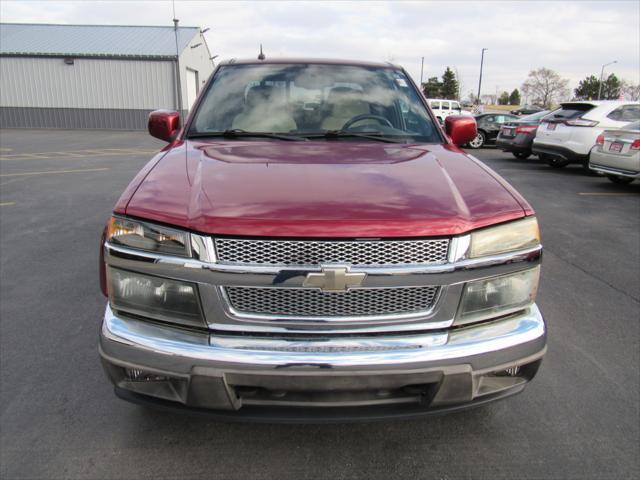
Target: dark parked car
[488,127]
[527,110]
[517,136]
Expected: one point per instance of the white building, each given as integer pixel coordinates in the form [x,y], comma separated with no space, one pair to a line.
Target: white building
[97,76]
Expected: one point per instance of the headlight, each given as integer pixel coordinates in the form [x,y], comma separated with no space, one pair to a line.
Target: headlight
[509,237]
[158,298]
[149,237]
[496,296]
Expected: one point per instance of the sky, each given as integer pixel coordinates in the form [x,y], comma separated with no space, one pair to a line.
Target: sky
[573,38]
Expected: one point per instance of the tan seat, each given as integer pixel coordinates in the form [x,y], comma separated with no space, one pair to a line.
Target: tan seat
[344,104]
[264,112]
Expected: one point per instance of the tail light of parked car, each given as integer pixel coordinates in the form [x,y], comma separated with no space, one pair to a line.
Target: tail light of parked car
[581,122]
[526,129]
[636,144]
[600,140]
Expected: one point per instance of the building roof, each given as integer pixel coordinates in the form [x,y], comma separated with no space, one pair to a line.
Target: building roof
[26,39]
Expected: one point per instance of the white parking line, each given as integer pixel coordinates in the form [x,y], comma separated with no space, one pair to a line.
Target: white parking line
[53,172]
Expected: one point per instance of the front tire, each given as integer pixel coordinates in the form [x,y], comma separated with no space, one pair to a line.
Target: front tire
[521,155]
[620,180]
[553,161]
[479,141]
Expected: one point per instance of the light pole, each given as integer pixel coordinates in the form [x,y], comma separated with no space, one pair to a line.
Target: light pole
[421,71]
[601,74]
[480,81]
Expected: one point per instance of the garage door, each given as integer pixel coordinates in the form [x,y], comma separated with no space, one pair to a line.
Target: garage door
[192,87]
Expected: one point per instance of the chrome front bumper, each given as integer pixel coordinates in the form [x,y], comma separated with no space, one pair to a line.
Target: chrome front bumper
[232,373]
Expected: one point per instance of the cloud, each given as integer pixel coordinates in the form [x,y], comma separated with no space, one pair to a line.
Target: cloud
[573,38]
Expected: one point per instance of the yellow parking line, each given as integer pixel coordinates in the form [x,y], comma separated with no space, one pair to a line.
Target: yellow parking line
[51,172]
[105,152]
[68,154]
[609,194]
[27,155]
[7,204]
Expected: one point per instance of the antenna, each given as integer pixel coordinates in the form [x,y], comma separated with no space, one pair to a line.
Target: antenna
[177,60]
[261,56]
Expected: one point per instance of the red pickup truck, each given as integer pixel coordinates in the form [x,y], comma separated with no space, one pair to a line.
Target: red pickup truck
[312,244]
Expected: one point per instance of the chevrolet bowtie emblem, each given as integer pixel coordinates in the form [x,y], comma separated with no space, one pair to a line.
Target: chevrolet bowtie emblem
[334,279]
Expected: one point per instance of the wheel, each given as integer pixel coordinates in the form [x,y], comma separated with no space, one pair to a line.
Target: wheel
[620,180]
[555,162]
[522,155]
[586,169]
[478,141]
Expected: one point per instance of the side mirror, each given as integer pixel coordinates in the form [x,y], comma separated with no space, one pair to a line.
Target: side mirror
[460,128]
[164,124]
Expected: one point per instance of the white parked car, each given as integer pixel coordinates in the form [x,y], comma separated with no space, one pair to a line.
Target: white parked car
[442,108]
[568,135]
[617,154]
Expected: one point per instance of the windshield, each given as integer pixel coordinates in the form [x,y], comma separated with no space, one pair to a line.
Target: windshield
[570,111]
[632,126]
[307,100]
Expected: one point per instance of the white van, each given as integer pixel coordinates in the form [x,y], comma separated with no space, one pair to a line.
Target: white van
[443,108]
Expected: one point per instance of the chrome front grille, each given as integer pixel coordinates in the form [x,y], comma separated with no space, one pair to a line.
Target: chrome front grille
[322,252]
[303,302]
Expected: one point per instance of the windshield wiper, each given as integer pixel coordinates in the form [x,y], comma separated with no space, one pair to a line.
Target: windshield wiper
[239,133]
[377,136]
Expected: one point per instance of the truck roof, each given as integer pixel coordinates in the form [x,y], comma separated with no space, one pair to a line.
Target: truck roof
[307,60]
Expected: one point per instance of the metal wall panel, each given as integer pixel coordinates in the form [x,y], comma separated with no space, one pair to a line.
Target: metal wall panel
[87,84]
[114,119]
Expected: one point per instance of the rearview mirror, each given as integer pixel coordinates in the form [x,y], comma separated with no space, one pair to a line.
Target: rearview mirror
[164,124]
[460,128]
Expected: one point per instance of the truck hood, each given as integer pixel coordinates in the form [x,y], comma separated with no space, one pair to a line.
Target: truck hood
[322,189]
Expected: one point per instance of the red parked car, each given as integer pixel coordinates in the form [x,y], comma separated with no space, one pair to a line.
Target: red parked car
[312,244]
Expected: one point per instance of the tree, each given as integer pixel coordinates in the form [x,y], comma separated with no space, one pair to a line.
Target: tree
[514,98]
[504,98]
[460,85]
[472,97]
[611,88]
[589,87]
[544,86]
[432,88]
[630,91]
[449,85]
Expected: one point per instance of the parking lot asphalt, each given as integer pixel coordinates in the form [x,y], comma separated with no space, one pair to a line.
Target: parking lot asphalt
[60,419]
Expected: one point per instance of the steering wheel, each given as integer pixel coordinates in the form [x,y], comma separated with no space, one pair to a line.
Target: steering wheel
[365,116]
